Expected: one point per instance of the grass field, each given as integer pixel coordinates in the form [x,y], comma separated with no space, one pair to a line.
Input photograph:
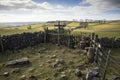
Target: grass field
[72,24]
[39,62]
[113,68]
[109,29]
[100,33]
[21,29]
[40,54]
[39,57]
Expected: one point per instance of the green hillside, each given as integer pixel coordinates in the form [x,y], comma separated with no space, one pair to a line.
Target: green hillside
[110,29]
[73,24]
[21,29]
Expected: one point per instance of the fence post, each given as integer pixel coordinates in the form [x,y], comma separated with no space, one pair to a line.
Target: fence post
[1,44]
[69,41]
[96,38]
[113,42]
[45,34]
[58,33]
[106,65]
[92,36]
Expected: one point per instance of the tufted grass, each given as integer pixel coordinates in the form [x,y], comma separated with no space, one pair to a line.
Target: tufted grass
[37,59]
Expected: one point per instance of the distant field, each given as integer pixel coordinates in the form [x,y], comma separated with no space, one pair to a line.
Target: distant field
[100,33]
[73,24]
[21,29]
[106,26]
[110,29]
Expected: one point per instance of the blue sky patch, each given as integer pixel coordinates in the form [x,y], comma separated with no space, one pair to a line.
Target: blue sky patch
[61,2]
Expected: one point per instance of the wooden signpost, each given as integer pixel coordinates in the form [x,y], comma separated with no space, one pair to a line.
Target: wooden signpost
[60,26]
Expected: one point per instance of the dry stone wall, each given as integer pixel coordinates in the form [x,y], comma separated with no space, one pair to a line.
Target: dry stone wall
[20,41]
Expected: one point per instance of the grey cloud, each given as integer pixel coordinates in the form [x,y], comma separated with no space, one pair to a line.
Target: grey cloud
[109,3]
[115,3]
[21,5]
[102,5]
[3,7]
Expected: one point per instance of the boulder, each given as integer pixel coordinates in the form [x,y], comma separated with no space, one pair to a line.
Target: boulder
[91,54]
[16,70]
[115,78]
[42,50]
[78,73]
[63,77]
[53,56]
[23,77]
[49,61]
[41,65]
[54,65]
[63,72]
[56,74]
[60,61]
[31,70]
[117,43]
[96,71]
[60,69]
[93,73]
[82,44]
[47,79]
[70,62]
[32,77]
[6,74]
[18,62]
[89,76]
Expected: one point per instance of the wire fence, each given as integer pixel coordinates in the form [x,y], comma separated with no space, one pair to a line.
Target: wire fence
[108,64]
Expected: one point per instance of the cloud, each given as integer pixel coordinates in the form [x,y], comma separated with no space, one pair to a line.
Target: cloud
[103,5]
[95,7]
[19,4]
[26,5]
[29,10]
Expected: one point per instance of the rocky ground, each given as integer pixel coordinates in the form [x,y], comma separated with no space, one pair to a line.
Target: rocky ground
[46,62]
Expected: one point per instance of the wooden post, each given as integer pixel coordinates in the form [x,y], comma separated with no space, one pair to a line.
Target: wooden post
[81,35]
[58,32]
[106,65]
[45,34]
[113,42]
[96,38]
[92,36]
[69,39]
[1,44]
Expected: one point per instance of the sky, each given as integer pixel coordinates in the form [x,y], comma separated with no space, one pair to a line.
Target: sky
[49,10]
